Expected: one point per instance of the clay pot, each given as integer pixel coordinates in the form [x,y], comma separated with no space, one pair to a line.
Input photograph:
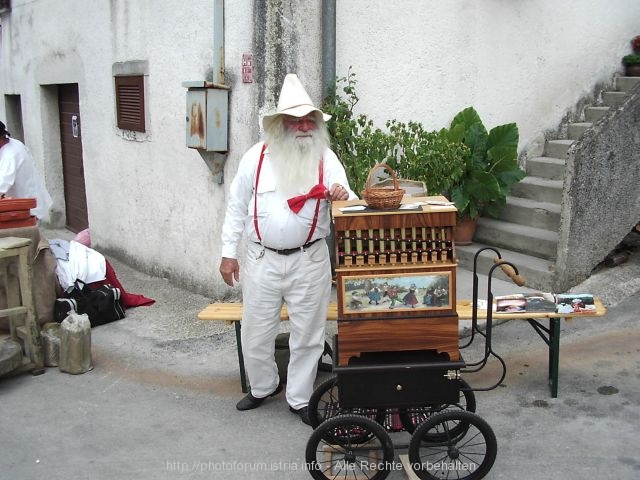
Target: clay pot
[465,229]
[632,70]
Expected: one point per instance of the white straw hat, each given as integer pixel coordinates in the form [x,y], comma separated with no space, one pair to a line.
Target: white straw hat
[294,100]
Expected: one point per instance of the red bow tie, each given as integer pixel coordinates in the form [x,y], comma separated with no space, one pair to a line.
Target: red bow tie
[296,203]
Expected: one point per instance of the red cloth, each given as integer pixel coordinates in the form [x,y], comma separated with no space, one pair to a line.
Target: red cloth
[296,203]
[129,300]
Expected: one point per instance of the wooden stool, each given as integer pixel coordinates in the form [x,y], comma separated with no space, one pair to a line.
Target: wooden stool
[15,275]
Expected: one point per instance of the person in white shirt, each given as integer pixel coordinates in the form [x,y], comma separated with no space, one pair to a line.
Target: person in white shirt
[19,177]
[279,200]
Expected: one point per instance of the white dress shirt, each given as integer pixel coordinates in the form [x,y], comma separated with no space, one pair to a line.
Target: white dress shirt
[279,227]
[20,179]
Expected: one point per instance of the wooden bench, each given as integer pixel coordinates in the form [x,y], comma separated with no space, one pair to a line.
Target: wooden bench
[232,313]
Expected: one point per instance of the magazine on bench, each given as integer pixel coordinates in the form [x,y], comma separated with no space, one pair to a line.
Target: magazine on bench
[544,302]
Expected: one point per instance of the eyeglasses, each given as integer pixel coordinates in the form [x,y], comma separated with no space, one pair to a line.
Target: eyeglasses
[298,122]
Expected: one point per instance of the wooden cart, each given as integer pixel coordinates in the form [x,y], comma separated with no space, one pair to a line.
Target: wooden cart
[396,356]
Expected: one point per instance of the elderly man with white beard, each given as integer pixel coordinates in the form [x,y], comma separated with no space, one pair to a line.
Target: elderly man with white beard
[279,199]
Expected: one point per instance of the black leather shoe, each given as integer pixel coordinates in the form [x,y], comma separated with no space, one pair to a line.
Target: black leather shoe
[249,401]
[303,413]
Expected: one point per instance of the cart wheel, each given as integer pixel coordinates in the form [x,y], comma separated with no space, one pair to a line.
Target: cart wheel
[349,447]
[466,450]
[324,404]
[412,417]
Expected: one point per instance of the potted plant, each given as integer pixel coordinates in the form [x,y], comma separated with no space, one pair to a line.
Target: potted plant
[490,169]
[424,160]
[429,157]
[631,62]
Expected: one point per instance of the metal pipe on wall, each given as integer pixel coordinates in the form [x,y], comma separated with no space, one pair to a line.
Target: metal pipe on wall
[328,44]
[216,161]
[328,76]
[218,42]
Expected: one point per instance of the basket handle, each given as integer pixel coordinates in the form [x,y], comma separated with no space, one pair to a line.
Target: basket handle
[389,169]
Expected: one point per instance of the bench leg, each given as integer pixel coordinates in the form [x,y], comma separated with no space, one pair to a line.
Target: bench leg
[554,355]
[243,375]
[550,336]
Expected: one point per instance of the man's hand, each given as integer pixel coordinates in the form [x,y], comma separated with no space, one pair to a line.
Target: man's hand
[337,192]
[230,270]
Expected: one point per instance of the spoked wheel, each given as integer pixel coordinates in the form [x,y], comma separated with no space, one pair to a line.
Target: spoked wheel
[466,448]
[412,417]
[349,447]
[325,404]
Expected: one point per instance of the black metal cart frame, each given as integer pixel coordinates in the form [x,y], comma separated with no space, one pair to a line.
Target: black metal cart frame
[349,412]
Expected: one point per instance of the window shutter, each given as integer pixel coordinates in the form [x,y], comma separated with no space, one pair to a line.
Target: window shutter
[130,102]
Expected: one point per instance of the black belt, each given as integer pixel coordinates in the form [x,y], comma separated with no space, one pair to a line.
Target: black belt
[289,251]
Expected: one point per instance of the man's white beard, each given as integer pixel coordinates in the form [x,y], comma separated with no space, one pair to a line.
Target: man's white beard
[295,160]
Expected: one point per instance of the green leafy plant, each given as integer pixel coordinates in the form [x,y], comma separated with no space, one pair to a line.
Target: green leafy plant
[427,156]
[472,167]
[631,59]
[354,139]
[491,168]
[414,153]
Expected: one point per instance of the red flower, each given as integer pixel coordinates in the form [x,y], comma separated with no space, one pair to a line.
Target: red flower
[635,44]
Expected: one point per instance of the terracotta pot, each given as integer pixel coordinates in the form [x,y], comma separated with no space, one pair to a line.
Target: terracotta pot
[465,229]
[632,70]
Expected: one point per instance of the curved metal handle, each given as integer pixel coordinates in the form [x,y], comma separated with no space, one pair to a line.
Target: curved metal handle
[510,272]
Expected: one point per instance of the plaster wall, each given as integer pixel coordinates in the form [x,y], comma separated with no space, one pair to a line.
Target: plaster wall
[152,202]
[160,206]
[148,196]
[524,62]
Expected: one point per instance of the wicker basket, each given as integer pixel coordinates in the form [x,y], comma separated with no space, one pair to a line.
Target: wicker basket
[383,198]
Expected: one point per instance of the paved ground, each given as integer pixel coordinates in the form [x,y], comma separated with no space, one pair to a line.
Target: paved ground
[160,401]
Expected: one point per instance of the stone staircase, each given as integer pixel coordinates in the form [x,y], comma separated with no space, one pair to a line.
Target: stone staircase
[527,231]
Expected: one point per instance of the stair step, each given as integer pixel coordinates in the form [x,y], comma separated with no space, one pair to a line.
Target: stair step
[527,233]
[538,189]
[576,130]
[626,84]
[531,213]
[546,167]
[538,273]
[532,241]
[614,99]
[593,114]
[557,148]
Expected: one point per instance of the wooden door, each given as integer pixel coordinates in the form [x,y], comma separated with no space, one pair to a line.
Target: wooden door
[75,196]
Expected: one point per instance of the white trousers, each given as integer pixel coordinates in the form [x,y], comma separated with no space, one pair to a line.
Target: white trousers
[303,281]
